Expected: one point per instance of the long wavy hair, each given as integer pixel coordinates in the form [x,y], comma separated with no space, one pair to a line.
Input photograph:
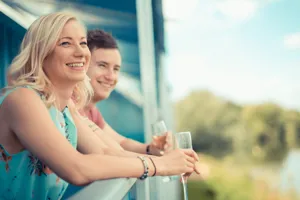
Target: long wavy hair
[27,67]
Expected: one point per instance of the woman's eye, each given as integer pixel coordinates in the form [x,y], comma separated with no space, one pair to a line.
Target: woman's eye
[64,43]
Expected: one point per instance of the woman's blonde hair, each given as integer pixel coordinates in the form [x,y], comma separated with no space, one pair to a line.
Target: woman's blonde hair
[27,67]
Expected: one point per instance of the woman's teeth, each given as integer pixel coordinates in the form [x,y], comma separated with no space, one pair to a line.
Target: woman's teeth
[75,64]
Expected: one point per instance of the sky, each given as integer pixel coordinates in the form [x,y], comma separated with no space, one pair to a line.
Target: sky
[247,51]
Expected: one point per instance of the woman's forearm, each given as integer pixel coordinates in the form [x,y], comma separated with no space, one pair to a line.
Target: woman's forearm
[98,167]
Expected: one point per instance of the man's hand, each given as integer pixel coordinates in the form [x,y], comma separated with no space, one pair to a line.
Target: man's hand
[161,144]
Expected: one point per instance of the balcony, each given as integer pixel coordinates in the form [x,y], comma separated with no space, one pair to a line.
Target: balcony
[105,190]
[134,24]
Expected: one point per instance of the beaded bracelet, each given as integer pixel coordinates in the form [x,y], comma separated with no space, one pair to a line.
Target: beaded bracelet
[146,168]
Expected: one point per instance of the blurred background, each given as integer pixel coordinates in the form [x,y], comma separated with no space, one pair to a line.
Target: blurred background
[233,69]
[226,70]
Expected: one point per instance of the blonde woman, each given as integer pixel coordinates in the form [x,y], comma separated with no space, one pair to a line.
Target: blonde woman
[44,144]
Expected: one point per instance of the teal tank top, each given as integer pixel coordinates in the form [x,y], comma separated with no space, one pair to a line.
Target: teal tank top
[23,176]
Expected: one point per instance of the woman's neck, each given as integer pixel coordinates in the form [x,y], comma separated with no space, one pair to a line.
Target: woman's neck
[63,96]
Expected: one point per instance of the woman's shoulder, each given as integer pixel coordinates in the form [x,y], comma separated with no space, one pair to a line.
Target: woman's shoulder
[20,97]
[20,94]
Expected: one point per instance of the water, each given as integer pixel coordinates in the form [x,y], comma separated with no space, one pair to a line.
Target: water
[290,176]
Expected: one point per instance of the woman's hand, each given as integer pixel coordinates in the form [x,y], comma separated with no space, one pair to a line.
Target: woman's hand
[176,162]
[196,169]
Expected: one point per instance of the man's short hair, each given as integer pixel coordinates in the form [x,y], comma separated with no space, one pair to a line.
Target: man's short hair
[97,39]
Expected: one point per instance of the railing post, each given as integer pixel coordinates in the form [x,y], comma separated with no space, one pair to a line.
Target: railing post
[147,66]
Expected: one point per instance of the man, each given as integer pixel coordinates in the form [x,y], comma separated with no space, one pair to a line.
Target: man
[104,72]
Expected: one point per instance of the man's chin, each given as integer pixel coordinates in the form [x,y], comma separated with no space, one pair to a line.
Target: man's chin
[102,96]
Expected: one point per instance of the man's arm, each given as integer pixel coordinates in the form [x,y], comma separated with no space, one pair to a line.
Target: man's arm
[132,145]
[91,139]
[126,143]
[88,131]
[101,142]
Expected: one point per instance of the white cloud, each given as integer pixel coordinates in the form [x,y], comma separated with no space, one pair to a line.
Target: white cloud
[237,76]
[292,41]
[179,9]
[210,14]
[238,10]
[241,85]
[186,9]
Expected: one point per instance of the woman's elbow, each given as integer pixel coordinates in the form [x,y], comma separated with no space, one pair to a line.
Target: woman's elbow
[77,174]
[78,179]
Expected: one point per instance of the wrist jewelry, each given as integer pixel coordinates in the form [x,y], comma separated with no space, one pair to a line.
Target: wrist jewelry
[146,168]
[148,149]
[154,166]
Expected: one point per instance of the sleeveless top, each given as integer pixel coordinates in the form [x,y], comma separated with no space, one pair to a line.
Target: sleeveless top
[23,176]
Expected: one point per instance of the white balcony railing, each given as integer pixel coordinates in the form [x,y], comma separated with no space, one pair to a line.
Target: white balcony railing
[112,189]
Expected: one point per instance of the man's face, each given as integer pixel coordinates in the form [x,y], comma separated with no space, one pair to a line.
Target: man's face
[104,71]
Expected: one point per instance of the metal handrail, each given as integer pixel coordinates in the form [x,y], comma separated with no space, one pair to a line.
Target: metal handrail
[112,189]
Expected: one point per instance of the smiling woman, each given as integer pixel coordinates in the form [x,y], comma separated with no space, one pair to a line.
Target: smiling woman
[44,143]
[57,51]
[48,64]
[70,55]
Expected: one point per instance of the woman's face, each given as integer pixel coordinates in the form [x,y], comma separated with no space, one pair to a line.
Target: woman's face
[69,61]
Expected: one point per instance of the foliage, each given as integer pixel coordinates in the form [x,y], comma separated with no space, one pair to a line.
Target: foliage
[231,181]
[219,127]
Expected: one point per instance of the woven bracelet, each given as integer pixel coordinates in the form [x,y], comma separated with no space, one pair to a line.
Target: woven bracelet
[146,168]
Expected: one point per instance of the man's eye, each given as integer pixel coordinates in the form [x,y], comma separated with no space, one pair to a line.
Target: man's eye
[101,65]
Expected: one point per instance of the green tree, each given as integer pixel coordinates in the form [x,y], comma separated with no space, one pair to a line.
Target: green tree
[265,123]
[219,127]
[292,128]
[211,120]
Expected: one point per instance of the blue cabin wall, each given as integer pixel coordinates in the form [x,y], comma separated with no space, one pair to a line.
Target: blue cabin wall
[11,35]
